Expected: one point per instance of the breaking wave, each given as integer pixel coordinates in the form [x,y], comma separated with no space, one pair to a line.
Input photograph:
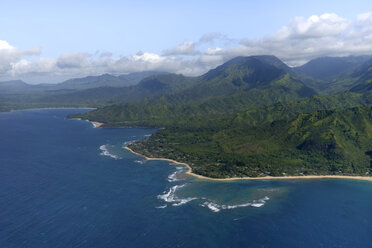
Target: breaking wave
[127,143]
[173,177]
[136,138]
[105,152]
[171,197]
[217,207]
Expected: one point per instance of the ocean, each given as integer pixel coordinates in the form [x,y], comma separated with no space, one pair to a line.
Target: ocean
[64,184]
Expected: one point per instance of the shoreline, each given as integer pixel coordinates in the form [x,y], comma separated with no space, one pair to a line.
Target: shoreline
[189,172]
[94,123]
[26,109]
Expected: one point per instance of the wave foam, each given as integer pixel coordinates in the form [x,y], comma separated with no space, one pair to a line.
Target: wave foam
[216,207]
[105,152]
[171,197]
[173,177]
[127,143]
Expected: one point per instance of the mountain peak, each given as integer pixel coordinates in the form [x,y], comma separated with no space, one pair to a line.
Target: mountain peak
[13,82]
[250,69]
[328,67]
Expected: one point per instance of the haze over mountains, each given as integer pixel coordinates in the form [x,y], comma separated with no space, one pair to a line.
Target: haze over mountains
[105,80]
[255,116]
[255,80]
[245,83]
[249,116]
[239,84]
[319,73]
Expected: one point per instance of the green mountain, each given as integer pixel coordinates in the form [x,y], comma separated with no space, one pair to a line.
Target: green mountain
[105,80]
[240,84]
[364,76]
[319,143]
[330,75]
[258,74]
[329,67]
[16,87]
[75,84]
[79,92]
[251,116]
[152,86]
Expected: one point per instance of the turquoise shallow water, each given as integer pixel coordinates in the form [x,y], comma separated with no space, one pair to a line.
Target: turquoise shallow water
[64,183]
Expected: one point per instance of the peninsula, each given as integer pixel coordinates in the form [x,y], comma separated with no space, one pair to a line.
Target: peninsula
[189,172]
[256,117]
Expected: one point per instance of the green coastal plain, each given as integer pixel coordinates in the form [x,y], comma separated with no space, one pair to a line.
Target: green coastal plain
[249,117]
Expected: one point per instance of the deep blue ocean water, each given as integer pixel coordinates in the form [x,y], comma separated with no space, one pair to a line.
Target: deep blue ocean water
[64,183]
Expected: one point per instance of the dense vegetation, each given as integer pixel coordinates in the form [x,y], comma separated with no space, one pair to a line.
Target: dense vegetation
[252,116]
[331,75]
[92,91]
[322,142]
[255,117]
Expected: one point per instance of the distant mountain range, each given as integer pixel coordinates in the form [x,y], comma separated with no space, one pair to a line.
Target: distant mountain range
[251,116]
[255,116]
[326,75]
[332,74]
[233,86]
[239,84]
[75,84]
[329,67]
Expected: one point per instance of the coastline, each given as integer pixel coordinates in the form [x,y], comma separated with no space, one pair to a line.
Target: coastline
[26,109]
[94,123]
[189,172]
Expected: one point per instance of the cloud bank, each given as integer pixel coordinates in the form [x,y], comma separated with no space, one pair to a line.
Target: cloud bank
[302,39]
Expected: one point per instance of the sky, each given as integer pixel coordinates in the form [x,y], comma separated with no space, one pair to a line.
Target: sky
[50,41]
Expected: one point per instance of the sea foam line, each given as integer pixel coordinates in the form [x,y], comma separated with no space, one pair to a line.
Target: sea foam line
[105,152]
[170,196]
[173,177]
[127,143]
[217,207]
[140,161]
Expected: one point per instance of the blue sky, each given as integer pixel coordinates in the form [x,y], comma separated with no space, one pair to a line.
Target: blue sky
[125,27]
[45,30]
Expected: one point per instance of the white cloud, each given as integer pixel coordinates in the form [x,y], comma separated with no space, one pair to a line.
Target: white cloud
[186,48]
[10,55]
[314,26]
[365,17]
[4,45]
[73,60]
[307,38]
[215,37]
[295,43]
[43,65]
[211,51]
[148,57]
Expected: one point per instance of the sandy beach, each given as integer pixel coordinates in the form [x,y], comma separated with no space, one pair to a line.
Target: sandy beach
[94,123]
[189,172]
